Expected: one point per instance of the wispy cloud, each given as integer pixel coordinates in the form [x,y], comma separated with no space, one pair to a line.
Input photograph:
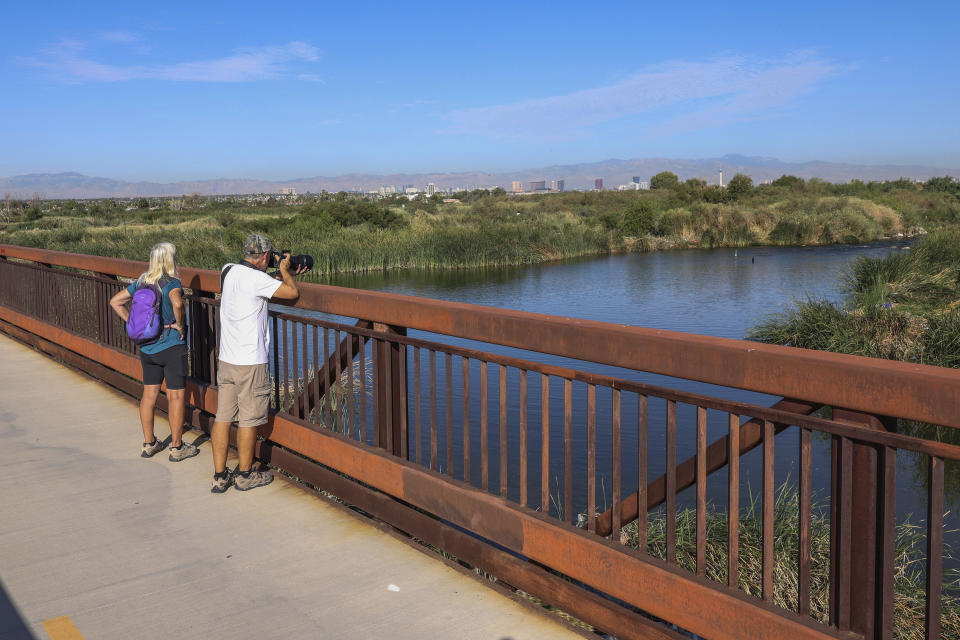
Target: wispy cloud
[678,96]
[311,77]
[413,104]
[122,37]
[69,61]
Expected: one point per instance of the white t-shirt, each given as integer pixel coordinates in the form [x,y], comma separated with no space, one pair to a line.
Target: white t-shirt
[244,338]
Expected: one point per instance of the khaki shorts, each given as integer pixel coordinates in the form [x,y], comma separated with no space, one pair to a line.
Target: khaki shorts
[243,394]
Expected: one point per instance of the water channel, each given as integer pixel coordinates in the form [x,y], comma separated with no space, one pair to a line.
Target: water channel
[720,292]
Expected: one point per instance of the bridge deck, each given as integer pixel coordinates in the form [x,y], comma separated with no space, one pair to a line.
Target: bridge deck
[134,548]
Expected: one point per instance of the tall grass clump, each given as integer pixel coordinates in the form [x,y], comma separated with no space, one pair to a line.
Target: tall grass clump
[905,306]
[909,559]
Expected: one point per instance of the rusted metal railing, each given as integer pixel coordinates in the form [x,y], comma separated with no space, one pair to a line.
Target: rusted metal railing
[516,464]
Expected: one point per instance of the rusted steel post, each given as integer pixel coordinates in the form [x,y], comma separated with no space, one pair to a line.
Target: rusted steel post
[391,387]
[856,601]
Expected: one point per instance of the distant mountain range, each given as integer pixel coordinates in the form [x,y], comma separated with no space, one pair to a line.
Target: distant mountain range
[576,176]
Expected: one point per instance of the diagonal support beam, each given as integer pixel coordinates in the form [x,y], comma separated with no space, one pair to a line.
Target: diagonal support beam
[751,435]
[328,372]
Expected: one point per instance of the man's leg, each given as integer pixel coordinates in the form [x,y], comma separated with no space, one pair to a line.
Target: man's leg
[148,403]
[226,414]
[246,442]
[220,441]
[254,401]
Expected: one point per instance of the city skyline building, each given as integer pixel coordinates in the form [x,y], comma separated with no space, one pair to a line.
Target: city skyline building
[558,185]
[538,185]
[516,186]
[598,184]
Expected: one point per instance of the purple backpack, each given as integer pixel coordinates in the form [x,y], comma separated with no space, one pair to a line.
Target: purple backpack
[145,324]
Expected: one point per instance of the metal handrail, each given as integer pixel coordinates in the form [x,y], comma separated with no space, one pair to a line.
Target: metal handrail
[884,387]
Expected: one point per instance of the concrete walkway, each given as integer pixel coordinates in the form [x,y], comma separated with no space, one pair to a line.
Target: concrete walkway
[99,543]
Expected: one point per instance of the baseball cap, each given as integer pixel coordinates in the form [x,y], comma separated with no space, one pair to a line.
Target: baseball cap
[257,245]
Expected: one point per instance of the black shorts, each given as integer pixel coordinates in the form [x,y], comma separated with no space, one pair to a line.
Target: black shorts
[169,364]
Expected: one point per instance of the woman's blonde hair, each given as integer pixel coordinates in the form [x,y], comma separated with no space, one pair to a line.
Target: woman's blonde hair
[163,262]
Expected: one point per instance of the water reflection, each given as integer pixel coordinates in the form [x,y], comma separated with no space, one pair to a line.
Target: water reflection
[719,292]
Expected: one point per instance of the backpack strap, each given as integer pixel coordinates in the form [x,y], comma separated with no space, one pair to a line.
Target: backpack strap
[223,275]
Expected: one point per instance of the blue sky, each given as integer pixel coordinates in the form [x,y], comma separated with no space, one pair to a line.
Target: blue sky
[171,91]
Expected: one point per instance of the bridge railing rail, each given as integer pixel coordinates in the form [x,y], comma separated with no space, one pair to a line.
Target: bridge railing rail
[549,465]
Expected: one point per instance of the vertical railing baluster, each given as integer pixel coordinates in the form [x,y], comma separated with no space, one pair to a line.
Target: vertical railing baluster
[466,419]
[733,501]
[803,561]
[615,463]
[434,464]
[327,384]
[768,505]
[305,393]
[523,437]
[888,539]
[642,473]
[417,422]
[449,368]
[286,368]
[215,338]
[545,444]
[212,352]
[362,432]
[591,458]
[568,514]
[671,481]
[934,546]
[203,339]
[276,359]
[317,370]
[376,364]
[701,490]
[484,427]
[295,399]
[843,549]
[404,427]
[350,427]
[503,431]
[338,386]
[387,395]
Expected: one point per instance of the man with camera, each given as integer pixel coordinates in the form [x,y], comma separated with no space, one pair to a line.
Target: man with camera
[243,375]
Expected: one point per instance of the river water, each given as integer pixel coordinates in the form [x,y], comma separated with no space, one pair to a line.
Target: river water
[721,292]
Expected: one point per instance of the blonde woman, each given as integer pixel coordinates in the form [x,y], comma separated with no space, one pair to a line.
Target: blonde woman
[164,358]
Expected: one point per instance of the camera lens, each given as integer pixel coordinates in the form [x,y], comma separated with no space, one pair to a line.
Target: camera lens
[302,260]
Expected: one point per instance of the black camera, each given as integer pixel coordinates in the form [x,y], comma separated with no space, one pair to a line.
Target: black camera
[302,260]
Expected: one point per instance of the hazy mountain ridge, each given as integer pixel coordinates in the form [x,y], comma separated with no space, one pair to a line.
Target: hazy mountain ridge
[576,176]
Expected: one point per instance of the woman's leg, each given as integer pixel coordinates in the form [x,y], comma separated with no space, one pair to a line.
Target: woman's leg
[147,405]
[174,362]
[175,399]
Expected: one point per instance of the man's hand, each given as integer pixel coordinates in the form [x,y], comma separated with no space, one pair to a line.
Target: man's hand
[288,290]
[176,326]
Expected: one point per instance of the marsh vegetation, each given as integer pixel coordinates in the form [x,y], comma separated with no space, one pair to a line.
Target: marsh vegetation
[353,233]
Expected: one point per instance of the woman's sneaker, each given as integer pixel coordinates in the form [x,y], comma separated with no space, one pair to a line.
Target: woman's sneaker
[183,452]
[222,481]
[251,479]
[152,448]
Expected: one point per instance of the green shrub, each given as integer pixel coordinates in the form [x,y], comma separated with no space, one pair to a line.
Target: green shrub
[640,219]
